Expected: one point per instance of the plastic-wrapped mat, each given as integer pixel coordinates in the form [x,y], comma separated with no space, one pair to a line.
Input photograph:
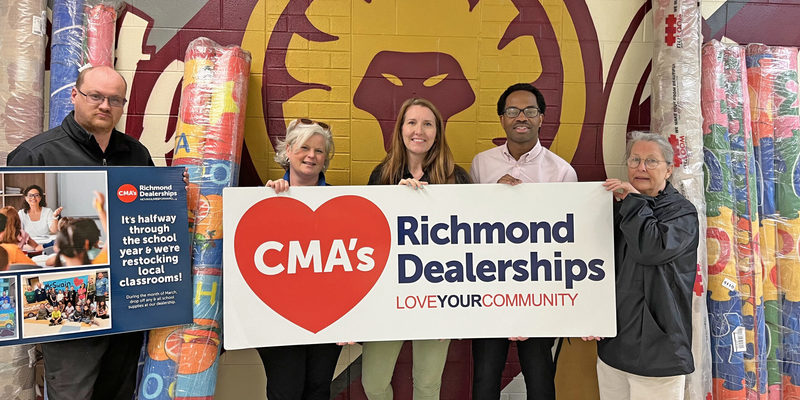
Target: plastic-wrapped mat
[786,136]
[66,46]
[100,25]
[759,82]
[22,52]
[724,302]
[17,379]
[772,74]
[748,255]
[675,114]
[181,362]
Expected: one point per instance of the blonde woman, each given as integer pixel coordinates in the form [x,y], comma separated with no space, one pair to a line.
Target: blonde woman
[301,372]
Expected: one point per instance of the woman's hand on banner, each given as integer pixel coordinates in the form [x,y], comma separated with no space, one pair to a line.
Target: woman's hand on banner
[413,183]
[620,188]
[279,185]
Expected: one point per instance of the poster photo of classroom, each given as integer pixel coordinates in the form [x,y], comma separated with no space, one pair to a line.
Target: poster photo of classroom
[58,303]
[36,206]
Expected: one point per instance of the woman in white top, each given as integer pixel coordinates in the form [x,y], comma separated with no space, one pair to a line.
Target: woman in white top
[37,219]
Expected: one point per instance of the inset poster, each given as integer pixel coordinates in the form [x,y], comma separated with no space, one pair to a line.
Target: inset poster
[92,251]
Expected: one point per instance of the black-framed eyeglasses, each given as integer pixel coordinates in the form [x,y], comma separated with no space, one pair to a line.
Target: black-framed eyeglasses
[312,122]
[96,98]
[530,112]
[33,195]
[649,163]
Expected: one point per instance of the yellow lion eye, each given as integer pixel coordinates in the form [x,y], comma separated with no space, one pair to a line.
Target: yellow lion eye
[434,80]
[392,78]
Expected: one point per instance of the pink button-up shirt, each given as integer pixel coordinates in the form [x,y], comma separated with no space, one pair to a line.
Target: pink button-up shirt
[535,166]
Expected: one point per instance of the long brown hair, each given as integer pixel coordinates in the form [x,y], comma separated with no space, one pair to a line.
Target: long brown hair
[438,162]
[13,225]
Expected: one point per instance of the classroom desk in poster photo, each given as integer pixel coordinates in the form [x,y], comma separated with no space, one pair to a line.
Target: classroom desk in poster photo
[139,273]
[367,263]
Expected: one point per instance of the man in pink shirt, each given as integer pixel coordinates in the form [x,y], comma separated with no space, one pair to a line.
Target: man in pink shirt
[522,159]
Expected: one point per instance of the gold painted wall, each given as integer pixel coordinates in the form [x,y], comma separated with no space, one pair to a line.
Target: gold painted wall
[351,63]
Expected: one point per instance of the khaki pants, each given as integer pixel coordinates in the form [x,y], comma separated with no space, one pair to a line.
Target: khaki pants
[620,385]
[377,367]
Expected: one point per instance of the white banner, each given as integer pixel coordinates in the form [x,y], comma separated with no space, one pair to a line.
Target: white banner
[367,263]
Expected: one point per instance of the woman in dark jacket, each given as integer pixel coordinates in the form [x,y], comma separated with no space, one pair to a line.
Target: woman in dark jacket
[656,236]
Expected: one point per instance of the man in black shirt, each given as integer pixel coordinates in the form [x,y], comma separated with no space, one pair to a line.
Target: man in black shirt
[87,137]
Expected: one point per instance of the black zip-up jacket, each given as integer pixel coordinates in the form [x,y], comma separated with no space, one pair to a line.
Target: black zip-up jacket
[656,264]
[70,145]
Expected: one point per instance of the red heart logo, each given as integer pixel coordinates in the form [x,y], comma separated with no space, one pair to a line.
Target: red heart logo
[77,281]
[312,267]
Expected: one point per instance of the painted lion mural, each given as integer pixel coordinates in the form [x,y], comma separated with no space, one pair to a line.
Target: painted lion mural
[353,62]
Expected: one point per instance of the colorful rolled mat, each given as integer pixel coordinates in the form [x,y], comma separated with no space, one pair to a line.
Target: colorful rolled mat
[716,139]
[206,251]
[198,82]
[208,142]
[787,176]
[727,325]
[226,117]
[675,113]
[66,44]
[193,121]
[759,82]
[786,124]
[748,257]
[772,310]
[791,344]
[759,70]
[101,26]
[22,54]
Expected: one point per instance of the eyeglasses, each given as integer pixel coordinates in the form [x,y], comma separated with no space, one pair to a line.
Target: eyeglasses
[312,122]
[530,112]
[649,163]
[33,195]
[96,98]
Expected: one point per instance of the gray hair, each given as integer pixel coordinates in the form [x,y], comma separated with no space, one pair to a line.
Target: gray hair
[663,144]
[298,133]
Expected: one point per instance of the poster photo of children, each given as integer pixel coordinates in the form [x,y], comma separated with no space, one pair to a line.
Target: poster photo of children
[8,308]
[58,303]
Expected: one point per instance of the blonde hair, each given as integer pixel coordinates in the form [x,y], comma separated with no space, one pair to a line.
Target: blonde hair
[297,133]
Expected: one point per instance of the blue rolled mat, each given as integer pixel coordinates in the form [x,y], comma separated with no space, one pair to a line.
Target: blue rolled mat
[65,55]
